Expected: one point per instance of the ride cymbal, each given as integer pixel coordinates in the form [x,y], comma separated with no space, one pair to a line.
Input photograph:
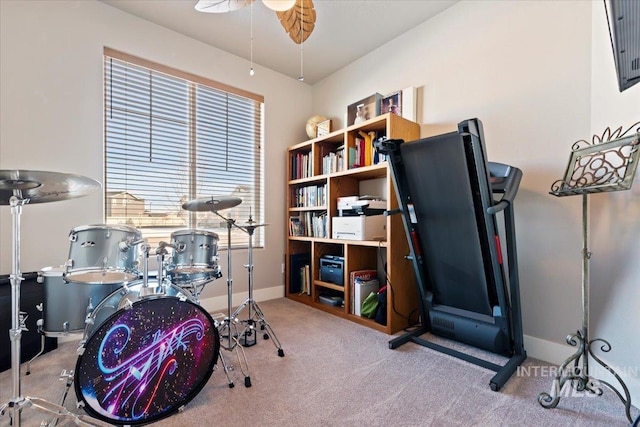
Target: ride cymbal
[211,203]
[43,187]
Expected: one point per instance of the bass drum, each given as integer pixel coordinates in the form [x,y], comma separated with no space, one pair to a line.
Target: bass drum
[153,354]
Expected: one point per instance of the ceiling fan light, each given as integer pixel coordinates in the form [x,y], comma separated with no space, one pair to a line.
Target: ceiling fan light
[220,6]
[279,5]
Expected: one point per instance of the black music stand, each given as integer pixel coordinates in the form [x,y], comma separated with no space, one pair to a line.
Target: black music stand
[600,166]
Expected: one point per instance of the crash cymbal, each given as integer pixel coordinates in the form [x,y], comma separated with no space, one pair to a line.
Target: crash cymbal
[43,187]
[211,203]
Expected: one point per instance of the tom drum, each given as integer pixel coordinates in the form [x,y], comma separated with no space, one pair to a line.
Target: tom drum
[103,254]
[66,305]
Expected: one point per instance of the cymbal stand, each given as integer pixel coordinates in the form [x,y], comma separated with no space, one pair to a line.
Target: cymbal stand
[17,401]
[161,251]
[256,316]
[17,323]
[229,324]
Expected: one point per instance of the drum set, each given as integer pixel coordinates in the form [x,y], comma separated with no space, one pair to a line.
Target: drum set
[147,346]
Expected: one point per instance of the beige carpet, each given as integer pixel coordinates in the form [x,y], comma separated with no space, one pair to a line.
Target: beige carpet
[337,373]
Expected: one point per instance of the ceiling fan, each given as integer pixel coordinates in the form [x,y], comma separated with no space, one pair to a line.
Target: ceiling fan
[298,17]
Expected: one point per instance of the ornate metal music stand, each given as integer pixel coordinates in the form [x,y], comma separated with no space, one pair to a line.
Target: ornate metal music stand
[606,164]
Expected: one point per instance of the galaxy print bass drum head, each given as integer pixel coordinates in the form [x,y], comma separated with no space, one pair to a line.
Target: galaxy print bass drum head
[147,360]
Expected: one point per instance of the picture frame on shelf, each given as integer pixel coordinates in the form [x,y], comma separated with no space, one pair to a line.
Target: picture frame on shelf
[323,128]
[392,103]
[364,109]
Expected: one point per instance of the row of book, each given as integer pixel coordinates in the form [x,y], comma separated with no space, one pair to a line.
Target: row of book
[305,279]
[362,153]
[310,196]
[301,165]
[309,224]
[300,273]
[334,161]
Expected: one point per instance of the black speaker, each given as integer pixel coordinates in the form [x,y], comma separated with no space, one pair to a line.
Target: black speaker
[31,294]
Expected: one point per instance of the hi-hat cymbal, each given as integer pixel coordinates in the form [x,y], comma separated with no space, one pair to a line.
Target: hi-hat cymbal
[252,224]
[43,187]
[211,203]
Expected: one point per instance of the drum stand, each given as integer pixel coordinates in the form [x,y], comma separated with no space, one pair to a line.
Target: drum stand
[229,326]
[18,401]
[256,317]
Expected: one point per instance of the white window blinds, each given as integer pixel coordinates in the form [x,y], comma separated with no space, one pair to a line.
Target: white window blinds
[171,137]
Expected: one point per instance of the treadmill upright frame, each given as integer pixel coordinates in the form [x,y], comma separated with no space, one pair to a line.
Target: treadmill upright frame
[507,320]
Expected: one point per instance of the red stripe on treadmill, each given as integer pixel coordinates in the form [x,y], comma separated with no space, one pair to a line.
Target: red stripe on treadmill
[416,246]
[497,238]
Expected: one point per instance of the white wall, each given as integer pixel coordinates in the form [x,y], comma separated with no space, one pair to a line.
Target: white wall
[540,76]
[614,226]
[51,103]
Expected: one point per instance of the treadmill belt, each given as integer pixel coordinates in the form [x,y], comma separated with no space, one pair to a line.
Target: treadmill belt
[451,235]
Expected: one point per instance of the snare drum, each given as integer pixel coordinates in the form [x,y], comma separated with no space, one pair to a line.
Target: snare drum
[195,257]
[65,305]
[151,355]
[103,254]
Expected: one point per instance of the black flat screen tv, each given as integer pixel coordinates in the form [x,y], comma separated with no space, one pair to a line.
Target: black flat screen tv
[623,17]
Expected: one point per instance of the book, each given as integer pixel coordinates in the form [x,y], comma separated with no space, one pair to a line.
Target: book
[360,282]
[307,279]
[295,226]
[296,262]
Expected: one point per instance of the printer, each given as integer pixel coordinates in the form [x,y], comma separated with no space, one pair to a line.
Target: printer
[360,218]
[361,205]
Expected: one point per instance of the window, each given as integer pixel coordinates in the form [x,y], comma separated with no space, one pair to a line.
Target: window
[171,137]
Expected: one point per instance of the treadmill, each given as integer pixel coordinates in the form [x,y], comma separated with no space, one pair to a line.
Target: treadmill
[467,282]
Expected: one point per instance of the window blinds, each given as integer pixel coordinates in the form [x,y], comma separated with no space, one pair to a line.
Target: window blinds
[171,139]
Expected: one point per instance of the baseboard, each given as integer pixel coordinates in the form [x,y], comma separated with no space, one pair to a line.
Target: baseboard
[556,353]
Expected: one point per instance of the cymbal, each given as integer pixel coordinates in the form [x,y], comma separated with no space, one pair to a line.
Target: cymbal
[251,224]
[211,203]
[43,187]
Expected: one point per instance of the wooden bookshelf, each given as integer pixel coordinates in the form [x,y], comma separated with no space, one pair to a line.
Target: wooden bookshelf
[310,165]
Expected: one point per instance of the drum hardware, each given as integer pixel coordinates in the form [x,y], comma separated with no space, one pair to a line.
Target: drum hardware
[39,324]
[18,188]
[228,327]
[67,377]
[255,314]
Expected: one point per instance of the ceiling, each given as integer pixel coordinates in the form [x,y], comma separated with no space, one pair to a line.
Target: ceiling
[345,30]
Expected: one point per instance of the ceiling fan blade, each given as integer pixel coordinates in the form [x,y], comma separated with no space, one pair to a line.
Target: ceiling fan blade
[220,6]
[299,21]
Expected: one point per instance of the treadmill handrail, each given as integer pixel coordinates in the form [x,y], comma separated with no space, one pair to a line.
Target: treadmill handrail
[511,189]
